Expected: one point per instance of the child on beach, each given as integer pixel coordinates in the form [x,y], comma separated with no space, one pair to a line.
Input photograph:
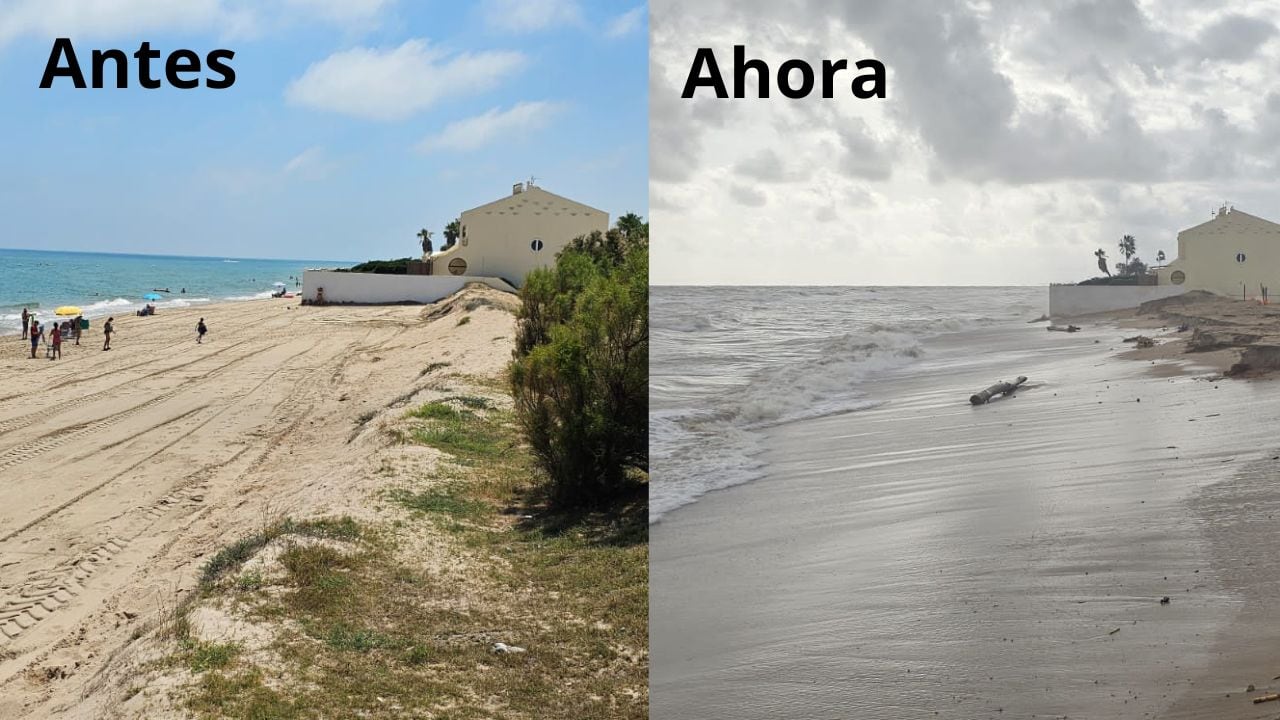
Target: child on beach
[35,337]
[25,318]
[106,330]
[55,342]
[201,329]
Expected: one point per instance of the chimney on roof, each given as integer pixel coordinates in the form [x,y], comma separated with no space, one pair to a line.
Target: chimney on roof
[517,188]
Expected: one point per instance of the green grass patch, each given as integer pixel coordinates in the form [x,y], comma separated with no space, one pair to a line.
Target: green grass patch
[231,557]
[241,696]
[444,501]
[203,656]
[348,639]
[435,411]
[319,574]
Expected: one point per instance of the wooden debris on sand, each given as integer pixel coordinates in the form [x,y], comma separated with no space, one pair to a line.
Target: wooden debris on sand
[1000,388]
[1060,328]
[1142,340]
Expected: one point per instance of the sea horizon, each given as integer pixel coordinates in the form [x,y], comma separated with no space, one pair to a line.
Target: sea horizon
[110,283]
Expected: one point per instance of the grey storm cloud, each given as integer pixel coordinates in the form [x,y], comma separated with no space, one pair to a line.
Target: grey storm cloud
[946,87]
[746,195]
[1114,116]
[1235,38]
[764,166]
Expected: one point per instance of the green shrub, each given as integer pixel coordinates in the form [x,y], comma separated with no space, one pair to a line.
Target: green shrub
[580,377]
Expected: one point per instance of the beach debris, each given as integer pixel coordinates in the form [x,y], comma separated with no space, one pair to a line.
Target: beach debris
[1000,388]
[1184,327]
[1266,698]
[504,649]
[1141,340]
[1061,328]
[1042,318]
[1165,600]
[1251,688]
[1113,632]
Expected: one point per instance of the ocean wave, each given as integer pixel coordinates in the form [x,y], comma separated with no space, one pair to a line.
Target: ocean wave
[718,444]
[256,296]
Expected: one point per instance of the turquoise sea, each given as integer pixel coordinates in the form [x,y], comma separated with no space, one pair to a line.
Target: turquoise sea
[104,284]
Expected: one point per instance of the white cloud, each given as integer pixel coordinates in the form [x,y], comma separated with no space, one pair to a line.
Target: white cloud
[520,16]
[342,11]
[310,164]
[382,84]
[475,132]
[626,23]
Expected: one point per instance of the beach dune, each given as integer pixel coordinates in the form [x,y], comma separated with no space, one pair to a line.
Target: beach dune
[122,471]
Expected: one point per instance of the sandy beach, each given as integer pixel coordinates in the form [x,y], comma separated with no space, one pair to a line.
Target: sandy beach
[123,470]
[925,558]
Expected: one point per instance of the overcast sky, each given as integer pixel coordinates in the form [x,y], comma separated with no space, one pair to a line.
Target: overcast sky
[351,124]
[1016,138]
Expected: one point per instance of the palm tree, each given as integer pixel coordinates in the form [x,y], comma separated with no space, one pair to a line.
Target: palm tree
[1128,248]
[1102,261]
[425,235]
[630,224]
[452,232]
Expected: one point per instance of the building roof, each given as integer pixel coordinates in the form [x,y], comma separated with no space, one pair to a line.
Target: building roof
[1230,213]
[538,191]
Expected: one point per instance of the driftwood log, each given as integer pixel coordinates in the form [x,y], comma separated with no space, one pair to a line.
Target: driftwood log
[1002,388]
[1060,328]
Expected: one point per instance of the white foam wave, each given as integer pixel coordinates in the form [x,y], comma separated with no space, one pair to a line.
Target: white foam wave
[717,446]
[256,296]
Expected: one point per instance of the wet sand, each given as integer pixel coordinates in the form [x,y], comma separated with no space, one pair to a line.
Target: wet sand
[123,471]
[930,559]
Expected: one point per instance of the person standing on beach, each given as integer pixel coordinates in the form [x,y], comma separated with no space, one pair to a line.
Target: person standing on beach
[107,330]
[55,342]
[35,337]
[75,327]
[25,317]
[201,329]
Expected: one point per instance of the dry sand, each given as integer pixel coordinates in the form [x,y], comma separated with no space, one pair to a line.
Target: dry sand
[122,471]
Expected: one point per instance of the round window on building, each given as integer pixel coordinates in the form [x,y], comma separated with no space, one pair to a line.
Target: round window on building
[457,266]
[536,244]
[1177,277]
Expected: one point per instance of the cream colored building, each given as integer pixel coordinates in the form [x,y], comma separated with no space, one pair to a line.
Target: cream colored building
[1233,254]
[507,238]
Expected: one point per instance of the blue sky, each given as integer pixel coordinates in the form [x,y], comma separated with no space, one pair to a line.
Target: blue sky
[351,124]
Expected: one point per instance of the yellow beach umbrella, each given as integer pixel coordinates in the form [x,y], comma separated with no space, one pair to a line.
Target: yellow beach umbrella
[67,310]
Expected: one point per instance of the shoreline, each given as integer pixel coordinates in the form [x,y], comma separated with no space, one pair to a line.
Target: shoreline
[758,520]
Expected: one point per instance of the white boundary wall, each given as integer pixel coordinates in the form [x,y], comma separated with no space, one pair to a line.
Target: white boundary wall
[374,289]
[1071,300]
